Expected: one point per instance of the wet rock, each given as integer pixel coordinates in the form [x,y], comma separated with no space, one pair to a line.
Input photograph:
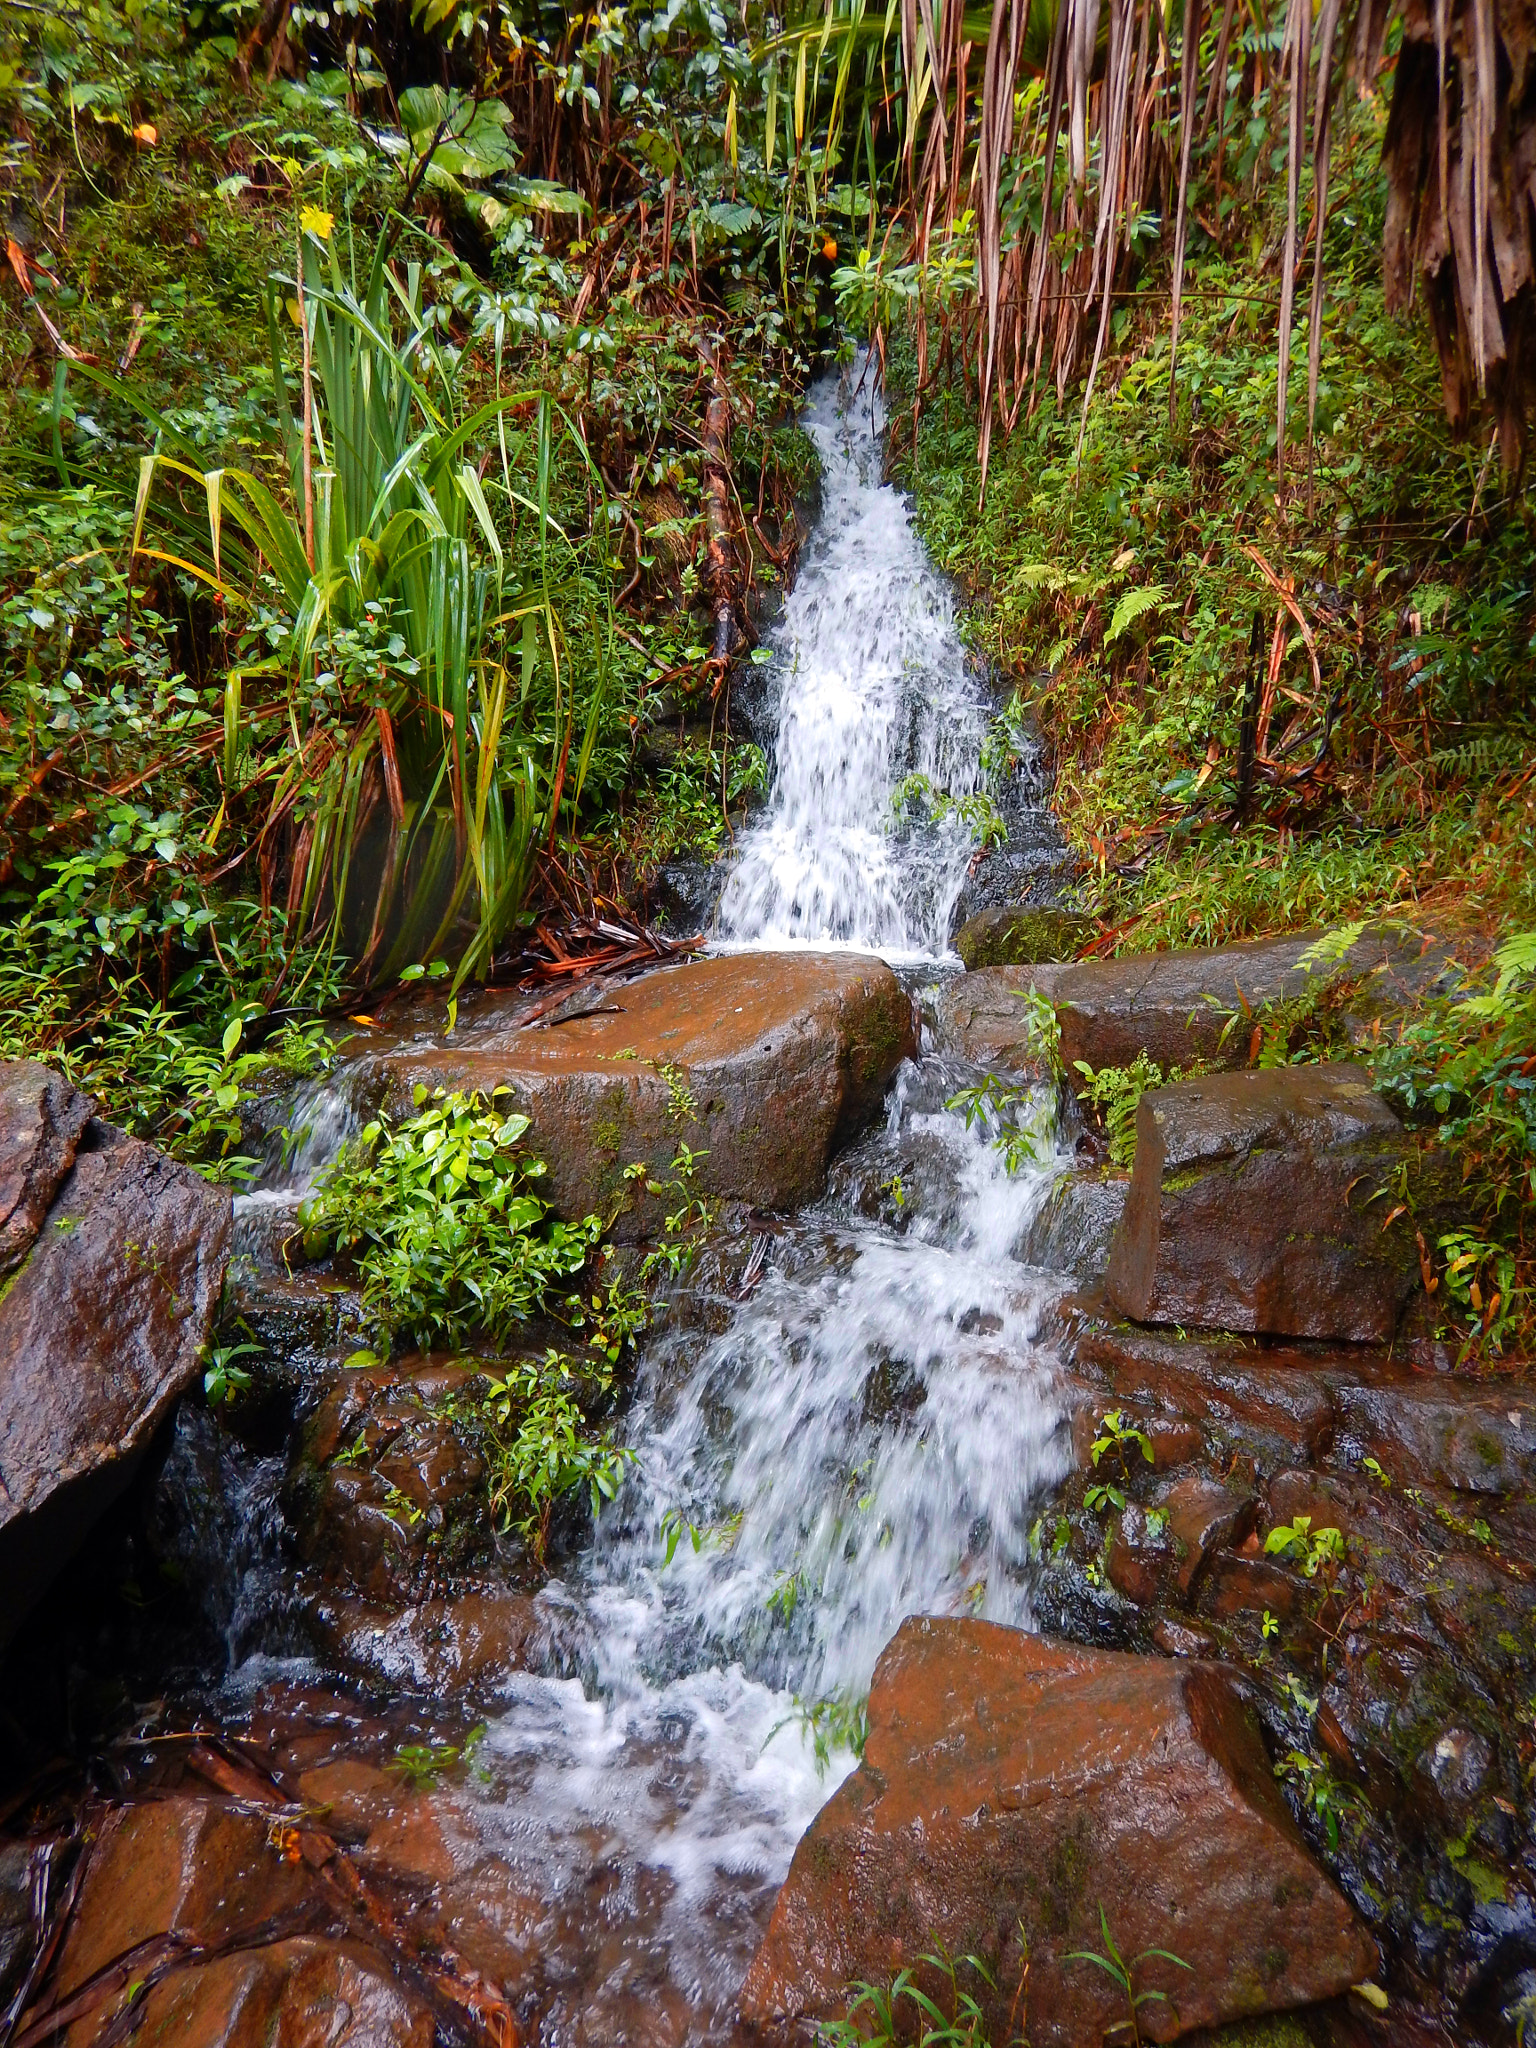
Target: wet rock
[1174,1006]
[1020,936]
[100,1331]
[1456,1765]
[1007,1779]
[300,1991]
[472,1641]
[987,1018]
[42,1117]
[1257,1203]
[1075,1226]
[765,1062]
[210,1877]
[1271,1406]
[1474,1435]
[1204,1517]
[1174,1440]
[390,1477]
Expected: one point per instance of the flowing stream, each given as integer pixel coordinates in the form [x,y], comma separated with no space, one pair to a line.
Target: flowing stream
[874,688]
[865,1436]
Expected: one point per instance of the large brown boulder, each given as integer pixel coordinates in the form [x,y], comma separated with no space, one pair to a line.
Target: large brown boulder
[1174,1006]
[764,1062]
[41,1118]
[100,1331]
[1261,1201]
[1011,1789]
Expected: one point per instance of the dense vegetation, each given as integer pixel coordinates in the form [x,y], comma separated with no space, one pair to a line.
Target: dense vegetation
[399,420]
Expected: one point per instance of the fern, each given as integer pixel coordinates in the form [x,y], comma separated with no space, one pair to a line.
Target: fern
[1327,952]
[1149,597]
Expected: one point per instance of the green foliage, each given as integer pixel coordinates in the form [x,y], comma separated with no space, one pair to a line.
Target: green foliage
[437,1213]
[974,810]
[542,1446]
[1310,1550]
[1017,1120]
[420,1764]
[903,2012]
[1116,1092]
[839,1720]
[1118,1437]
[1327,1798]
[1124,1974]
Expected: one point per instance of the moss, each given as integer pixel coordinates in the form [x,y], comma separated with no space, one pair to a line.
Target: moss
[1021,938]
[1275,2030]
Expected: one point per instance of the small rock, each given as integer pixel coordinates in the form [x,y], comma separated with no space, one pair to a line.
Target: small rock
[765,1062]
[42,1117]
[1258,1201]
[1008,1780]
[1204,1517]
[1011,938]
[1178,1639]
[1456,1764]
[1075,1226]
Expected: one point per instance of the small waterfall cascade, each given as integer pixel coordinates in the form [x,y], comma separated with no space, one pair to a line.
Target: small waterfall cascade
[874,688]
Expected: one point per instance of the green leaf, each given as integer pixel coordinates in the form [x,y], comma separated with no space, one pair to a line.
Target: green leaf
[1134,604]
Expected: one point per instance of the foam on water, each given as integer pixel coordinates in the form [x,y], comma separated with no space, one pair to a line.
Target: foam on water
[874,686]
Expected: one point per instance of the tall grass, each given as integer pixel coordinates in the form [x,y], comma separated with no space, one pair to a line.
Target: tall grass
[427,768]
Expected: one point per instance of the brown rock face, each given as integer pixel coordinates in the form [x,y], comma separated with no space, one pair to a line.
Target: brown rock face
[1257,1203]
[41,1118]
[1008,1780]
[763,1061]
[1172,1006]
[100,1331]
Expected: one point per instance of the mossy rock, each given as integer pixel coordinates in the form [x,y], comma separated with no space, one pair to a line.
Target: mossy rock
[1275,2030]
[1021,938]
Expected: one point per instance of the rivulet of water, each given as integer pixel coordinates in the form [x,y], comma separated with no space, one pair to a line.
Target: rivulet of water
[874,687]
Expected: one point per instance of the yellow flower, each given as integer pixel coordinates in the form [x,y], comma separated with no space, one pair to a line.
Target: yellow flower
[146,133]
[314,220]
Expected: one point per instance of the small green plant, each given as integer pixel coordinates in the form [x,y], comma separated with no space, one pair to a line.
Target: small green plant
[542,1447]
[839,1720]
[438,1213]
[1011,1116]
[421,1764]
[1124,1974]
[1310,1550]
[1119,1438]
[875,2018]
[223,1379]
[1103,1496]
[1116,1092]
[915,795]
[1327,1798]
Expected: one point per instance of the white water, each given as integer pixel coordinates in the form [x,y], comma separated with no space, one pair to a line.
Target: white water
[864,1437]
[875,686]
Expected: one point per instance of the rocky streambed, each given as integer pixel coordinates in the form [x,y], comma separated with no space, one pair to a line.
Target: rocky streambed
[1017,1557]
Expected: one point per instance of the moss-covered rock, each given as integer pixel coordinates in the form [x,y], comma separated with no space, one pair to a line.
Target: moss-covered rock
[1021,938]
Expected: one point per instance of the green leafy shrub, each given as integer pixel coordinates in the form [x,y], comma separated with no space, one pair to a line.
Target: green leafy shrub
[543,1446]
[439,1216]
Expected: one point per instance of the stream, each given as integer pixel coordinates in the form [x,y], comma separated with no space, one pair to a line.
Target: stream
[865,1436]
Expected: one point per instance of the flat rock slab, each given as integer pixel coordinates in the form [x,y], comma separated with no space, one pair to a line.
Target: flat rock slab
[41,1118]
[100,1331]
[1009,1780]
[765,1062]
[1173,1006]
[1259,1201]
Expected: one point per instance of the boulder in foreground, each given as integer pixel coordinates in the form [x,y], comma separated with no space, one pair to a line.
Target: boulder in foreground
[100,1331]
[1260,1201]
[764,1062]
[1009,1780]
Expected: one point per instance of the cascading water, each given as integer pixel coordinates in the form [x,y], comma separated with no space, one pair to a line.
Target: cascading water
[874,687]
[864,1436]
